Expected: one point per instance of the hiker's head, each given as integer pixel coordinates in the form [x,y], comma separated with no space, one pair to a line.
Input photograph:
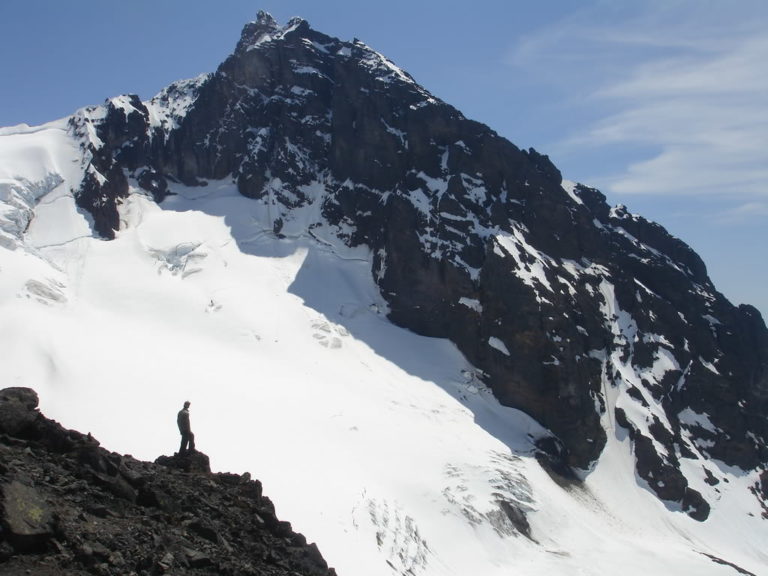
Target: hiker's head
[186,404]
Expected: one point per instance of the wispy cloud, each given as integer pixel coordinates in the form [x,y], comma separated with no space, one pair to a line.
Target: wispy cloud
[685,82]
[744,214]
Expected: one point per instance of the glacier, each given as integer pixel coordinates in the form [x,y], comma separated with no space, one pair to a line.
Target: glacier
[382,446]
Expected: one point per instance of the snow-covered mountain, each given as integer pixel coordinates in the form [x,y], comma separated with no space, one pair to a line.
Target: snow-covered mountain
[438,356]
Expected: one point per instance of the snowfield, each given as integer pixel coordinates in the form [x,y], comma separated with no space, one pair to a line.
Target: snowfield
[382,446]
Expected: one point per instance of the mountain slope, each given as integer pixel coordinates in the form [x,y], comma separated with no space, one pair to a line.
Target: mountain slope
[268,219]
[548,291]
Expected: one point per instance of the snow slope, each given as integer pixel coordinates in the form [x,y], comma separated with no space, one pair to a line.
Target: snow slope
[382,446]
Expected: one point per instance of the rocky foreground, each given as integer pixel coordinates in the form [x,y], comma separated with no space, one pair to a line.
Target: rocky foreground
[71,507]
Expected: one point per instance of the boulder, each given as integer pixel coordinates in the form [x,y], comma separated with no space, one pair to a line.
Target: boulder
[26,517]
[18,411]
[189,462]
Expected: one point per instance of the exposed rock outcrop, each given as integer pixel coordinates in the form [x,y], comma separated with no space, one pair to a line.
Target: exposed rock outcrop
[71,507]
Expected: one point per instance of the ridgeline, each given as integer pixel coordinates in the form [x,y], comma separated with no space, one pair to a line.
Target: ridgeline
[71,507]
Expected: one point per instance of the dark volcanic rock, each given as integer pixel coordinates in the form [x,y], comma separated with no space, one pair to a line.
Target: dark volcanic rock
[26,518]
[71,507]
[663,473]
[190,462]
[17,411]
[554,295]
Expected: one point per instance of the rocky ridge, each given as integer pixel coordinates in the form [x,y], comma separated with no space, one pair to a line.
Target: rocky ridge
[68,506]
[589,318]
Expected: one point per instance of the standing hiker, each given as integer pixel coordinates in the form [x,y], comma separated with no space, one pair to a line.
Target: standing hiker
[187,438]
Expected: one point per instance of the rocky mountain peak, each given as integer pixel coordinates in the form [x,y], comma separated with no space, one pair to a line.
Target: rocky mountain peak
[265,28]
[256,31]
[266,19]
[572,311]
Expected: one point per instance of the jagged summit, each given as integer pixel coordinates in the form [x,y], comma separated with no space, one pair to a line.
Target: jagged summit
[297,35]
[266,28]
[266,20]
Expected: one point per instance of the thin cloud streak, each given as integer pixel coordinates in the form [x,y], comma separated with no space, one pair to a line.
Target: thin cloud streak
[689,89]
[749,212]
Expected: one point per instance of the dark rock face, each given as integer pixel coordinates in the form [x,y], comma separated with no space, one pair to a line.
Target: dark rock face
[17,411]
[663,474]
[26,516]
[555,296]
[189,462]
[760,490]
[70,507]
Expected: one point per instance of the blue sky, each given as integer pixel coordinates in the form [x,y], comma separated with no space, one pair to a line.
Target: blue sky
[661,105]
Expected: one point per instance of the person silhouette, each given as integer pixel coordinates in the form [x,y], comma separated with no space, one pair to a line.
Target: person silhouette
[187,437]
